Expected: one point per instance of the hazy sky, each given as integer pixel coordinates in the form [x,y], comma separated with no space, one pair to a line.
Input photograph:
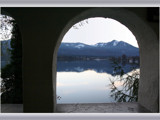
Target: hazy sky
[100,30]
[93,31]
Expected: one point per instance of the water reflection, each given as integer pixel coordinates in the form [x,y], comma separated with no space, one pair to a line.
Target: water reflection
[102,66]
[85,82]
[84,87]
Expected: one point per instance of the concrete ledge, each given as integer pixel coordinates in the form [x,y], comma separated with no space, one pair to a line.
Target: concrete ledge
[85,108]
[102,108]
[11,108]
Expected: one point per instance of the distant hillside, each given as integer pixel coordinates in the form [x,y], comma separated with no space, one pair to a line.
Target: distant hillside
[5,52]
[113,48]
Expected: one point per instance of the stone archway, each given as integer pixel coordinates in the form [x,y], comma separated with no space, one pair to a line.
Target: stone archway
[148,46]
[12,95]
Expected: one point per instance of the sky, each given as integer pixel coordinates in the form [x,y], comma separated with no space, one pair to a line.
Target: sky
[95,30]
[92,31]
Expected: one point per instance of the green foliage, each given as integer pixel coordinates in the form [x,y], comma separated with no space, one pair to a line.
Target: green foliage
[128,92]
[11,74]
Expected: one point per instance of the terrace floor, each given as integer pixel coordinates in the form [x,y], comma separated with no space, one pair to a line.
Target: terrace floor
[85,108]
[101,108]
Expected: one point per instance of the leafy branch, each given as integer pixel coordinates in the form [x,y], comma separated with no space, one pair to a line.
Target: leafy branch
[6,27]
[129,90]
[80,24]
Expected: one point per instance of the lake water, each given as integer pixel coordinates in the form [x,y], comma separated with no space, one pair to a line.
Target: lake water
[85,81]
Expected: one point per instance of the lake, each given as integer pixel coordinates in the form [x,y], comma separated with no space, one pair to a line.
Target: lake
[86,81]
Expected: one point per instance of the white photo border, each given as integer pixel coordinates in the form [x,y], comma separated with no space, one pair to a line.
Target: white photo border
[80,3]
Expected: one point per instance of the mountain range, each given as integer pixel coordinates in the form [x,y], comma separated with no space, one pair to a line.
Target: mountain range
[5,52]
[113,48]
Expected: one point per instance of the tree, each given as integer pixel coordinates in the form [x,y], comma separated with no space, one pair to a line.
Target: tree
[130,83]
[80,24]
[6,27]
[11,74]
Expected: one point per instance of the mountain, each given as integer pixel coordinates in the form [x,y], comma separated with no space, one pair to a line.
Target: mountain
[113,48]
[5,52]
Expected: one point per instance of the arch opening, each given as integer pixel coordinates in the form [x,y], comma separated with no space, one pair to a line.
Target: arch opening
[87,57]
[11,63]
[137,26]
